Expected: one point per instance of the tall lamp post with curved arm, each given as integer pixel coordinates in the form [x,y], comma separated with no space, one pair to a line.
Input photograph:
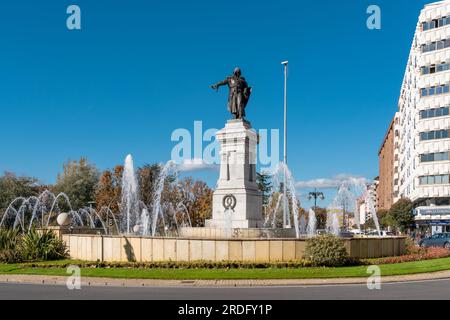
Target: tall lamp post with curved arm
[286,220]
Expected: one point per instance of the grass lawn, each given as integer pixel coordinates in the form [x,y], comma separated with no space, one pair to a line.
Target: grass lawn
[269,273]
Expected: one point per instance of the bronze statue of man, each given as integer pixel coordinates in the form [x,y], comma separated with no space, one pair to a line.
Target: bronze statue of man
[239,93]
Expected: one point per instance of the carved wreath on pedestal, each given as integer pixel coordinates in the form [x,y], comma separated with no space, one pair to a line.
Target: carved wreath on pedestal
[229,202]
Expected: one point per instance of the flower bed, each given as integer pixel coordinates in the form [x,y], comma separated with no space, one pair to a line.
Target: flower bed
[415,254]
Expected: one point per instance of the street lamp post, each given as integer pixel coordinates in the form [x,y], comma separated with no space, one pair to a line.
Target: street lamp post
[91,203]
[316,195]
[344,220]
[286,221]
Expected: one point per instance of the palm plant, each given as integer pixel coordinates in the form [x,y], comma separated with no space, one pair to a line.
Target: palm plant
[9,245]
[9,239]
[42,245]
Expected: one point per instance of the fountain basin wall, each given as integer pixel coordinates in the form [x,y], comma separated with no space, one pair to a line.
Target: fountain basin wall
[143,249]
[59,231]
[236,233]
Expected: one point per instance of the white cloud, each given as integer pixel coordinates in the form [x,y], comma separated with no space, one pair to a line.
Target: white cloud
[330,183]
[196,165]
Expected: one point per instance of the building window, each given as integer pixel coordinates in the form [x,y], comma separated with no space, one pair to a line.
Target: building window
[433,135]
[435,90]
[435,23]
[436,45]
[432,91]
[433,113]
[437,179]
[431,157]
[444,66]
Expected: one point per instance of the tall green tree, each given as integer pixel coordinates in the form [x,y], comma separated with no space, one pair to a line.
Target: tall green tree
[264,182]
[369,224]
[402,215]
[78,181]
[385,219]
[12,186]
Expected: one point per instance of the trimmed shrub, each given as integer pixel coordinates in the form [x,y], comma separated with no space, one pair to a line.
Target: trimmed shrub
[326,251]
[411,247]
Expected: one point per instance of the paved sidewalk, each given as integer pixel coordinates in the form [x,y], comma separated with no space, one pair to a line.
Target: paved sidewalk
[91,281]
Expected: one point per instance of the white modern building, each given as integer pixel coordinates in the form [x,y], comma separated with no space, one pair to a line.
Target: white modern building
[396,179]
[366,203]
[372,191]
[363,211]
[422,144]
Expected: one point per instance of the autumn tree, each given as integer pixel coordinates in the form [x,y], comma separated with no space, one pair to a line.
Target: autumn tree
[108,192]
[321,216]
[202,206]
[105,193]
[117,185]
[147,178]
[197,197]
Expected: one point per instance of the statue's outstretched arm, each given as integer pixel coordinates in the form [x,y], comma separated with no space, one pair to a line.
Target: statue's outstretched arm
[219,84]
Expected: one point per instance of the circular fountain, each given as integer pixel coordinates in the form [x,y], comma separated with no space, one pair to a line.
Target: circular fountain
[163,231]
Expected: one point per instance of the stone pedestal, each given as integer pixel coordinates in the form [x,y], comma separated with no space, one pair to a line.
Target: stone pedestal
[237,202]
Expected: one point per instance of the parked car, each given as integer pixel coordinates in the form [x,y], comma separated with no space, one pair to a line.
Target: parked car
[437,240]
[356,231]
[346,234]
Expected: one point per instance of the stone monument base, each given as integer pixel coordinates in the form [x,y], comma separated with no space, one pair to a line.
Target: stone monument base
[237,201]
[235,224]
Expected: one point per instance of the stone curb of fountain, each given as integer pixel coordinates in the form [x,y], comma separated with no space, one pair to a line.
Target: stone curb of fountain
[92,281]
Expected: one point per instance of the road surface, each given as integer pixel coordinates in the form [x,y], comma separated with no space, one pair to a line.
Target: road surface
[434,289]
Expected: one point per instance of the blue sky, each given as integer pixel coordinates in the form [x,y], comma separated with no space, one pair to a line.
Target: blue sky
[140,69]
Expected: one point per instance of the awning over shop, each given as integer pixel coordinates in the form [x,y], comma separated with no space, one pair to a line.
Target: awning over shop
[427,211]
[433,222]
